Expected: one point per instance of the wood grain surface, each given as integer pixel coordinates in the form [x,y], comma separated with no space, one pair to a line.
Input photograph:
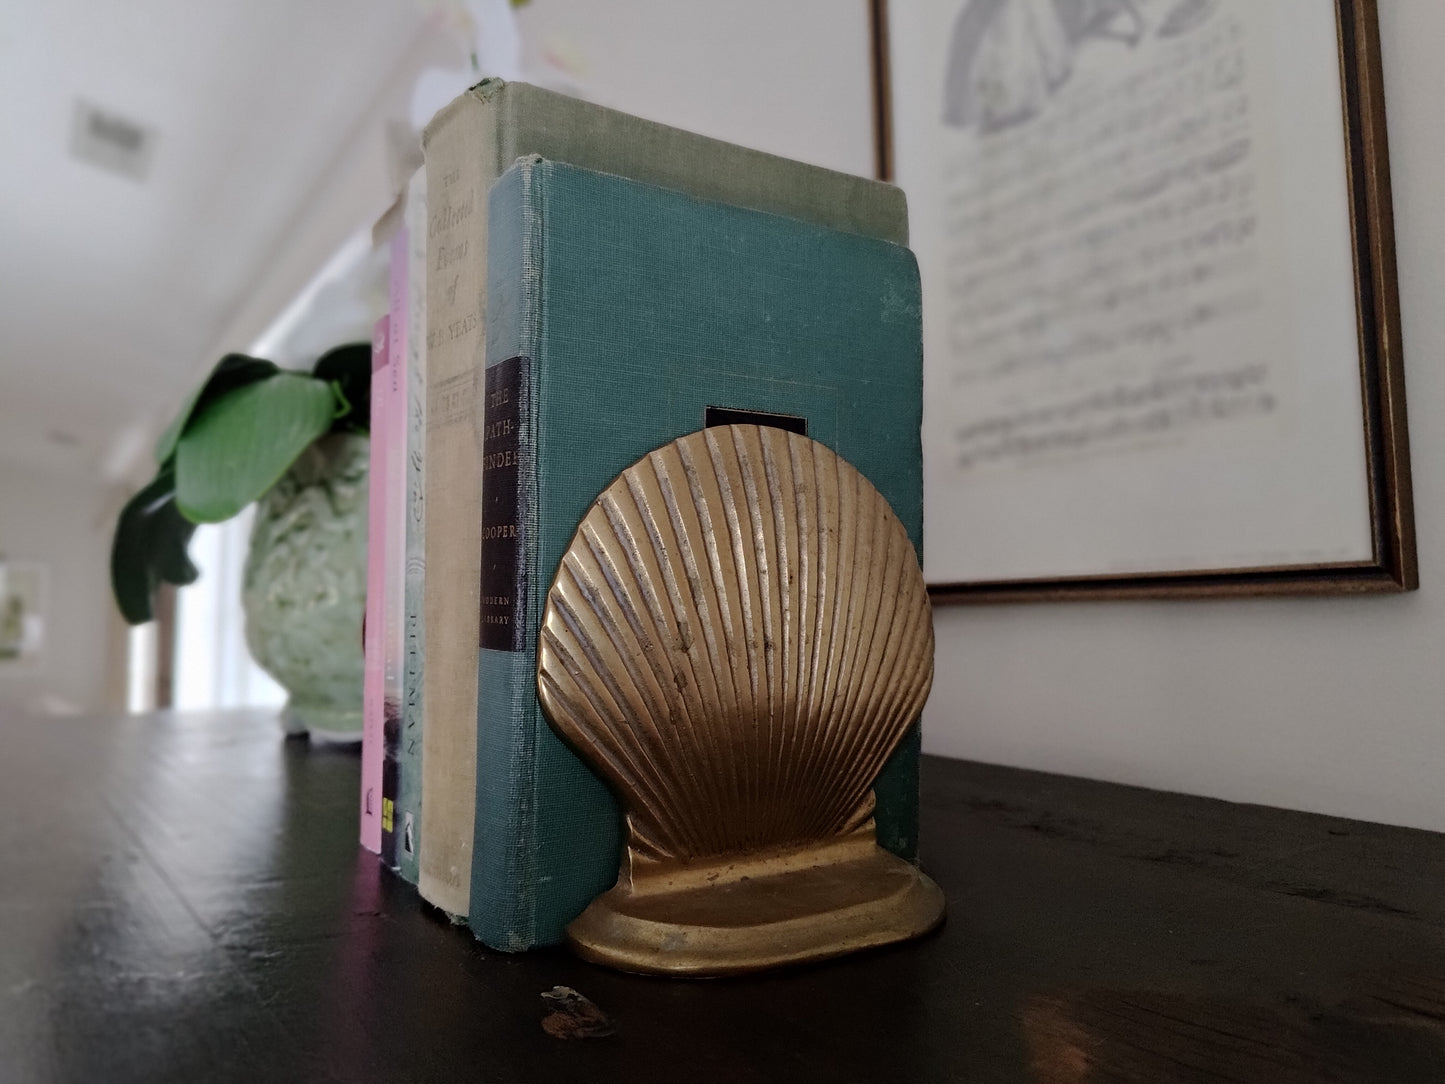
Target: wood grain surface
[183,899]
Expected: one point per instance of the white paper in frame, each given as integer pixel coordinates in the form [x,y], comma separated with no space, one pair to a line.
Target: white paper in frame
[1160,324]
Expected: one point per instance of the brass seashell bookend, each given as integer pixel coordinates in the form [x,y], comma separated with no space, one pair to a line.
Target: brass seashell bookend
[737,638]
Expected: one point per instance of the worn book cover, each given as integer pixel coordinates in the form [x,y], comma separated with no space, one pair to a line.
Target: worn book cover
[621,316]
[468,144]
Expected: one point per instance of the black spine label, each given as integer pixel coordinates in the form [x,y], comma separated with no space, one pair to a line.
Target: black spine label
[506,456]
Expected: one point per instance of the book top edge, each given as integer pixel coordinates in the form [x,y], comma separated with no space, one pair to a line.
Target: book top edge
[839,186]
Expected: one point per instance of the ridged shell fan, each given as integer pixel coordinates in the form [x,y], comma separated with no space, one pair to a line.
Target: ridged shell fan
[736,640]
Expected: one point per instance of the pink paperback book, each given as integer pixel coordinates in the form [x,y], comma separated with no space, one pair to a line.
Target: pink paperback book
[392,412]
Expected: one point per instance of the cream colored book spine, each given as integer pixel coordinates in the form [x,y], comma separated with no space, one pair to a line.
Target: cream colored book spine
[460,167]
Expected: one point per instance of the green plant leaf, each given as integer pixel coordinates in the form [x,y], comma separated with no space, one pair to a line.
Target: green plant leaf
[232,371]
[170,539]
[237,447]
[149,547]
[349,367]
[130,572]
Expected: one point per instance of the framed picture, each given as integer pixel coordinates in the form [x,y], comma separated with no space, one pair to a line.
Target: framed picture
[1161,327]
[22,612]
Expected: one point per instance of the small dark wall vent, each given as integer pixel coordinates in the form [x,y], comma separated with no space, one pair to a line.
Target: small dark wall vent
[111,142]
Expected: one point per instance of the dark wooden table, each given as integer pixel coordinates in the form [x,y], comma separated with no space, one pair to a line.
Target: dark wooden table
[183,899]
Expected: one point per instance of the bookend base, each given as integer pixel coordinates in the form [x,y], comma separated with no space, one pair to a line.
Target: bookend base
[754,913]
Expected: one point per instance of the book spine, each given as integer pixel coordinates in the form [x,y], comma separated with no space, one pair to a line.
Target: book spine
[503,893]
[412,719]
[460,148]
[373,630]
[393,409]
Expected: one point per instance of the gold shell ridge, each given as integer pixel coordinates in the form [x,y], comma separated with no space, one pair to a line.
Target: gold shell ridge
[737,638]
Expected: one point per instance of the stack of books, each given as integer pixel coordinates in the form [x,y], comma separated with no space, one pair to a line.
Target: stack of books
[573,287]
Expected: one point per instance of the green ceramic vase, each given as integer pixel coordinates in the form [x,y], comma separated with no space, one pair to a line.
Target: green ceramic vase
[304,591]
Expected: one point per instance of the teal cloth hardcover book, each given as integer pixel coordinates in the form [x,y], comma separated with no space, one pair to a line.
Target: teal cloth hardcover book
[619,316]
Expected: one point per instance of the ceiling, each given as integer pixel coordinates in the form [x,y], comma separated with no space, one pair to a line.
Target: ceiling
[270,149]
[276,148]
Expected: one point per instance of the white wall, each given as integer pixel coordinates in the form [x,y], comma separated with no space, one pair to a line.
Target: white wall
[790,78]
[1334,705]
[58,521]
[356,190]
